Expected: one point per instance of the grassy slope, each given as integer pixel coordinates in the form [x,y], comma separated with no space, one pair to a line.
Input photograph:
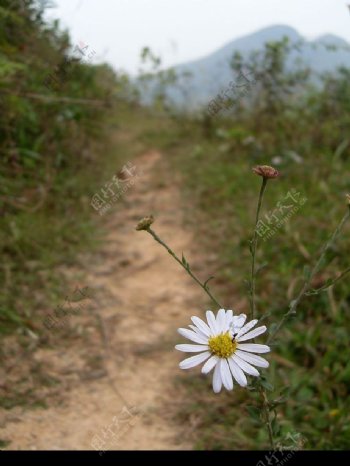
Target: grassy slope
[48,154]
[310,355]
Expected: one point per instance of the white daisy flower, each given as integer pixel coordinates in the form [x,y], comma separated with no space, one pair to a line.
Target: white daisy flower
[219,342]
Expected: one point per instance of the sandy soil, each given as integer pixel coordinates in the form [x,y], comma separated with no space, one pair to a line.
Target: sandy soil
[129,399]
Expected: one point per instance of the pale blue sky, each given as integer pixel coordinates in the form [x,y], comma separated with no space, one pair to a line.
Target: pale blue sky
[183,30]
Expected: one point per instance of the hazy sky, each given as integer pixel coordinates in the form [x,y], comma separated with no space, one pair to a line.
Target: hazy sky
[182,30]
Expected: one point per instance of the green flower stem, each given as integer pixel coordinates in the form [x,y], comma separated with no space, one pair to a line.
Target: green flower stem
[294,303]
[254,245]
[266,412]
[267,419]
[204,285]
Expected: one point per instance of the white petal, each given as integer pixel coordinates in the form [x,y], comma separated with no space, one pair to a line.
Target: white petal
[252,359]
[194,360]
[198,332]
[247,327]
[210,364]
[237,373]
[238,322]
[192,348]
[217,382]
[245,366]
[212,322]
[253,348]
[221,320]
[254,333]
[203,327]
[229,317]
[226,375]
[190,335]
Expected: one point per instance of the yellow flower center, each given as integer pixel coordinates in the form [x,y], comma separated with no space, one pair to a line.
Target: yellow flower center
[222,345]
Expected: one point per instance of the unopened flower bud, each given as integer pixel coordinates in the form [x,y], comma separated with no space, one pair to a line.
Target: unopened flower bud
[266,171]
[145,223]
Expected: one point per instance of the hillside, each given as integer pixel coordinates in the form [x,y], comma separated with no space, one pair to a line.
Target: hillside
[212,73]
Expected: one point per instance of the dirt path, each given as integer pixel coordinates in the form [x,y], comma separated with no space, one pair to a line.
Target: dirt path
[149,297]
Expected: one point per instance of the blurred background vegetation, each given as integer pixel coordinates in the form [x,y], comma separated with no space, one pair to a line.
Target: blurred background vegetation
[49,159]
[55,148]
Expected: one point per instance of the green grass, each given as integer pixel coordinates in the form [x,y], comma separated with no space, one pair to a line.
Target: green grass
[37,245]
[4,443]
[49,162]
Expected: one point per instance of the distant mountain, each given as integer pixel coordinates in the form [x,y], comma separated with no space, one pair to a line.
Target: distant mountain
[212,74]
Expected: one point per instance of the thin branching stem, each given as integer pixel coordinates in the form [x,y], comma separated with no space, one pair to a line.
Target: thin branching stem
[267,419]
[204,285]
[254,245]
[295,302]
[328,285]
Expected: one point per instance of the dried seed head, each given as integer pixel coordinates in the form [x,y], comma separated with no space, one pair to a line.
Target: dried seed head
[145,223]
[348,199]
[266,171]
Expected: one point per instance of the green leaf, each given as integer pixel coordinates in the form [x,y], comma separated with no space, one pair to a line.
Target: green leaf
[185,263]
[254,413]
[276,428]
[10,315]
[291,304]
[250,246]
[265,316]
[327,284]
[207,281]
[247,284]
[340,149]
[306,272]
[278,401]
[272,328]
[261,267]
[285,391]
[267,385]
